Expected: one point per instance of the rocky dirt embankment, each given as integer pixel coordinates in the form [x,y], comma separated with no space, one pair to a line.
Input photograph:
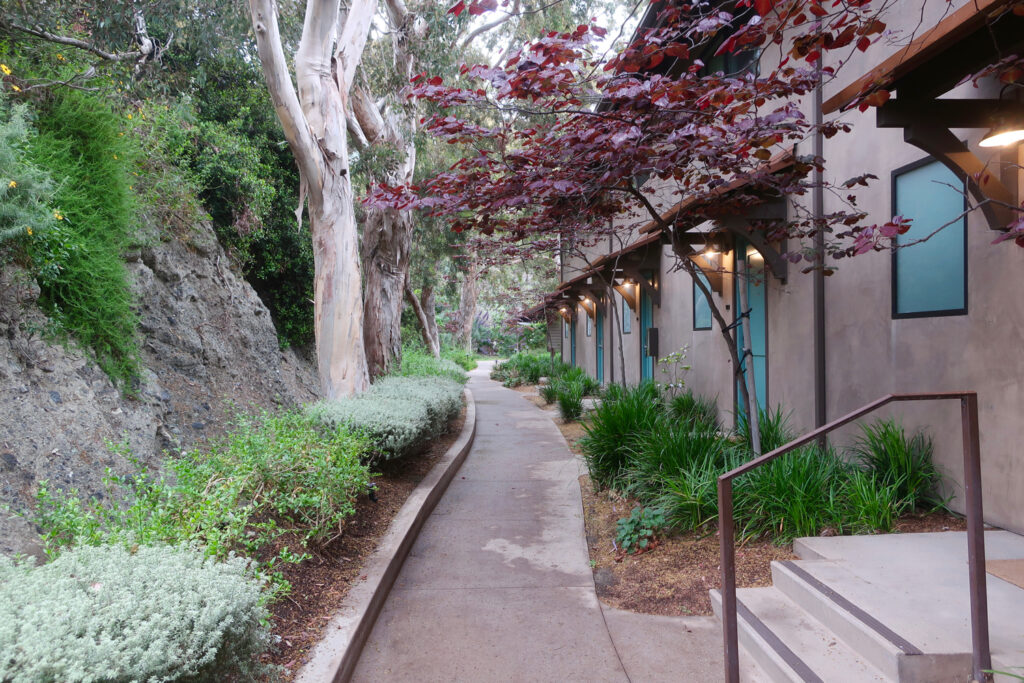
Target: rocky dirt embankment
[206,340]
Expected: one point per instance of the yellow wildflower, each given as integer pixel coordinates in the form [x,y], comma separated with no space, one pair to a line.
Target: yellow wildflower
[29,230]
[12,184]
[6,69]
[129,117]
[60,57]
[115,157]
[58,215]
[15,88]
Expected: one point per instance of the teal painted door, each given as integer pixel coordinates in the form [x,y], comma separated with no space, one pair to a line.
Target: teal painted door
[646,322]
[599,336]
[572,343]
[756,325]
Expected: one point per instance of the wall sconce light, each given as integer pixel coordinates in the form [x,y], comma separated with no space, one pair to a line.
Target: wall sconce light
[754,256]
[1003,134]
[1005,131]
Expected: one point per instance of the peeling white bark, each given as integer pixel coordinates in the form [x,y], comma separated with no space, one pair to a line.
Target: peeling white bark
[314,122]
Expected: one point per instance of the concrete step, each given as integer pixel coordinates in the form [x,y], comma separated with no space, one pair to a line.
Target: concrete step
[820,588]
[789,645]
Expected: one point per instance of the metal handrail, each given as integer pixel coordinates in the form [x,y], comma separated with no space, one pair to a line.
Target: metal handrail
[982,658]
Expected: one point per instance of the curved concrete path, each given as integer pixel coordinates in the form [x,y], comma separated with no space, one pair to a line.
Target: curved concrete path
[498,586]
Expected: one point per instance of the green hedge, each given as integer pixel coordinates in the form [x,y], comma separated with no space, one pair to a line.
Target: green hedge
[113,614]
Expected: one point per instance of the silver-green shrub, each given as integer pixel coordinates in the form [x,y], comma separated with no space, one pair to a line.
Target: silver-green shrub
[398,414]
[107,613]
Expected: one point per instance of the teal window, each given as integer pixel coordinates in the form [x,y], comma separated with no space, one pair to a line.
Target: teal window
[590,326]
[701,305]
[627,317]
[565,329]
[929,278]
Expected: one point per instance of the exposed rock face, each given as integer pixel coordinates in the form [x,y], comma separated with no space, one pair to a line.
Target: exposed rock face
[206,340]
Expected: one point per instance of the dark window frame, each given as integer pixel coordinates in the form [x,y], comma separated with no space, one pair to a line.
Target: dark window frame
[894,259]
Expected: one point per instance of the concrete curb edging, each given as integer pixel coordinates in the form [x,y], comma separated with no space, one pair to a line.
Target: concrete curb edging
[334,658]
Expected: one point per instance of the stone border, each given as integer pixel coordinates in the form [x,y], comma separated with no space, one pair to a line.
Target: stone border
[334,658]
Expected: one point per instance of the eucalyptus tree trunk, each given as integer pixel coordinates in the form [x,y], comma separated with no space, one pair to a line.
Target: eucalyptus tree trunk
[314,122]
[387,233]
[467,303]
[387,236]
[424,309]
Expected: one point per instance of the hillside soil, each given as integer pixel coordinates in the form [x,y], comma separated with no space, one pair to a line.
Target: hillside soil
[320,584]
[673,578]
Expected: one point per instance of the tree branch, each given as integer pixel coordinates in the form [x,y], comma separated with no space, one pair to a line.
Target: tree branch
[352,41]
[80,44]
[491,25]
[283,95]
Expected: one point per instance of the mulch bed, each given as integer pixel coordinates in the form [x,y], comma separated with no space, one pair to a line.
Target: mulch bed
[320,584]
[674,577]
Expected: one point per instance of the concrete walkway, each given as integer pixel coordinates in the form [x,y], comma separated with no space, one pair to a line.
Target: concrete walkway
[498,586]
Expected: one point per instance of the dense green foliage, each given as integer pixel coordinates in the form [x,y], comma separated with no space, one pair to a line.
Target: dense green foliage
[528,368]
[418,363]
[26,189]
[275,481]
[669,456]
[78,262]
[398,414]
[148,613]
[464,359]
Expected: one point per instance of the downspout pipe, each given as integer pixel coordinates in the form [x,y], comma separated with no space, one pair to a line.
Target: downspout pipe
[818,199]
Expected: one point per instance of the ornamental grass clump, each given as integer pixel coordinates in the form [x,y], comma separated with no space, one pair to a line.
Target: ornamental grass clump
[570,399]
[623,415]
[145,614]
[698,412]
[398,414]
[896,461]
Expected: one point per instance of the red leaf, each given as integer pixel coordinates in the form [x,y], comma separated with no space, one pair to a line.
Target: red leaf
[458,8]
[864,43]
[678,50]
[436,80]
[763,7]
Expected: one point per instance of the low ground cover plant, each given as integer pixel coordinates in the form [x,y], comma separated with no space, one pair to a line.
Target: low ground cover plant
[668,456]
[416,362]
[461,357]
[274,485]
[397,414]
[148,613]
[635,533]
